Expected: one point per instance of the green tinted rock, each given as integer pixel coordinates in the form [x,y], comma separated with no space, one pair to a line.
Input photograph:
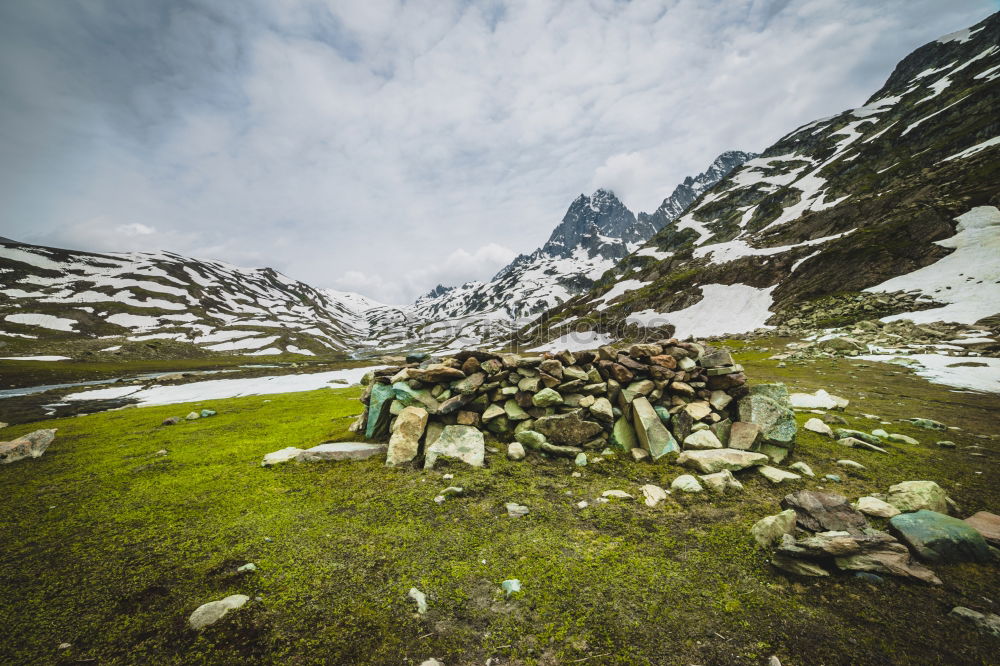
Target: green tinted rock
[651,432]
[623,435]
[936,537]
[378,411]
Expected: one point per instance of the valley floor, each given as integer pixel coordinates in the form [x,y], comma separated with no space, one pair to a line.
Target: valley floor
[108,545]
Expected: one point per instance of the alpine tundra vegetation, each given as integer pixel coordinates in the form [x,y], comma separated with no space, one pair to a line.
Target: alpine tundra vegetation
[757,425]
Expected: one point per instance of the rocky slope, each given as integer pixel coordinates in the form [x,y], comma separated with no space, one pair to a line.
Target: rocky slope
[596,232]
[905,185]
[48,294]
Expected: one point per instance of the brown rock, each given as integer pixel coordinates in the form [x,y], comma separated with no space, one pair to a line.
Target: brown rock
[727,382]
[468,418]
[744,436]
[664,361]
[987,524]
[436,372]
[567,429]
[616,371]
[823,512]
[470,365]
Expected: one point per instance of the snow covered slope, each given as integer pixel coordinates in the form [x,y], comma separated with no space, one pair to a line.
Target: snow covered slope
[48,293]
[837,206]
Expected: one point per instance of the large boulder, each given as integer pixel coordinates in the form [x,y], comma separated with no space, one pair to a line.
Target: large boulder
[767,406]
[463,443]
[31,445]
[822,512]
[936,537]
[917,495]
[404,443]
[653,435]
[567,429]
[379,403]
[716,460]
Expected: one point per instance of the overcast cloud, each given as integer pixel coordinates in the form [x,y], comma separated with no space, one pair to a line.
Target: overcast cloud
[386,146]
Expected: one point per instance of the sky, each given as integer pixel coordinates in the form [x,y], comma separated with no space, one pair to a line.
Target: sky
[387,146]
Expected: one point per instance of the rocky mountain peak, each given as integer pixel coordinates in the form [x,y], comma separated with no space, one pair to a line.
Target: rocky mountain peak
[600,214]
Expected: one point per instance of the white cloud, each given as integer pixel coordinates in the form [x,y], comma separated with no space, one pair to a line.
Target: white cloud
[458,267]
[323,138]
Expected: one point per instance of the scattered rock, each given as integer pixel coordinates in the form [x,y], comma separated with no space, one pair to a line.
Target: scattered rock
[775,475]
[721,482]
[851,464]
[617,494]
[817,426]
[567,429]
[801,468]
[210,613]
[32,445]
[249,567]
[173,420]
[985,622]
[515,510]
[280,456]
[580,460]
[686,483]
[192,416]
[639,455]
[653,495]
[946,444]
[818,400]
[205,413]
[902,439]
[420,598]
[510,586]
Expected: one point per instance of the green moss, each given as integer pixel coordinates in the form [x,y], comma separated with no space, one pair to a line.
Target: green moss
[110,547]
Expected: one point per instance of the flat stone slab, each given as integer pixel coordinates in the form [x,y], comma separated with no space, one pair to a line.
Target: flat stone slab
[776,476]
[342,451]
[710,461]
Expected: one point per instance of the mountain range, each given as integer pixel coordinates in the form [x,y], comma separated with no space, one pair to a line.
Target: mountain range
[886,209]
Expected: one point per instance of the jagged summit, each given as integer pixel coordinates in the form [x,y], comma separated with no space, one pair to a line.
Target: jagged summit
[602,214]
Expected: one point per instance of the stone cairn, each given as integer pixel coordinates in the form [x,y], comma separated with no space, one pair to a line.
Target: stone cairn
[682,400]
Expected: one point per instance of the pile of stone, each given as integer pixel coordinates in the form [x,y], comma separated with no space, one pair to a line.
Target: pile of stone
[819,533]
[650,401]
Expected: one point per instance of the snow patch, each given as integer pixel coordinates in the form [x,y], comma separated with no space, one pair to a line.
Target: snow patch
[724,308]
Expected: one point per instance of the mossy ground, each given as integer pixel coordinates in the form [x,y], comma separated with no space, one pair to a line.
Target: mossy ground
[109,547]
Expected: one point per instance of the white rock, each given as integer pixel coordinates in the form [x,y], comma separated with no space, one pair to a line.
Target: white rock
[617,494]
[851,464]
[420,598]
[515,451]
[801,468]
[818,400]
[515,510]
[653,495]
[815,425]
[212,612]
[721,482]
[281,456]
[775,475]
[702,440]
[582,504]
[873,506]
[686,483]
